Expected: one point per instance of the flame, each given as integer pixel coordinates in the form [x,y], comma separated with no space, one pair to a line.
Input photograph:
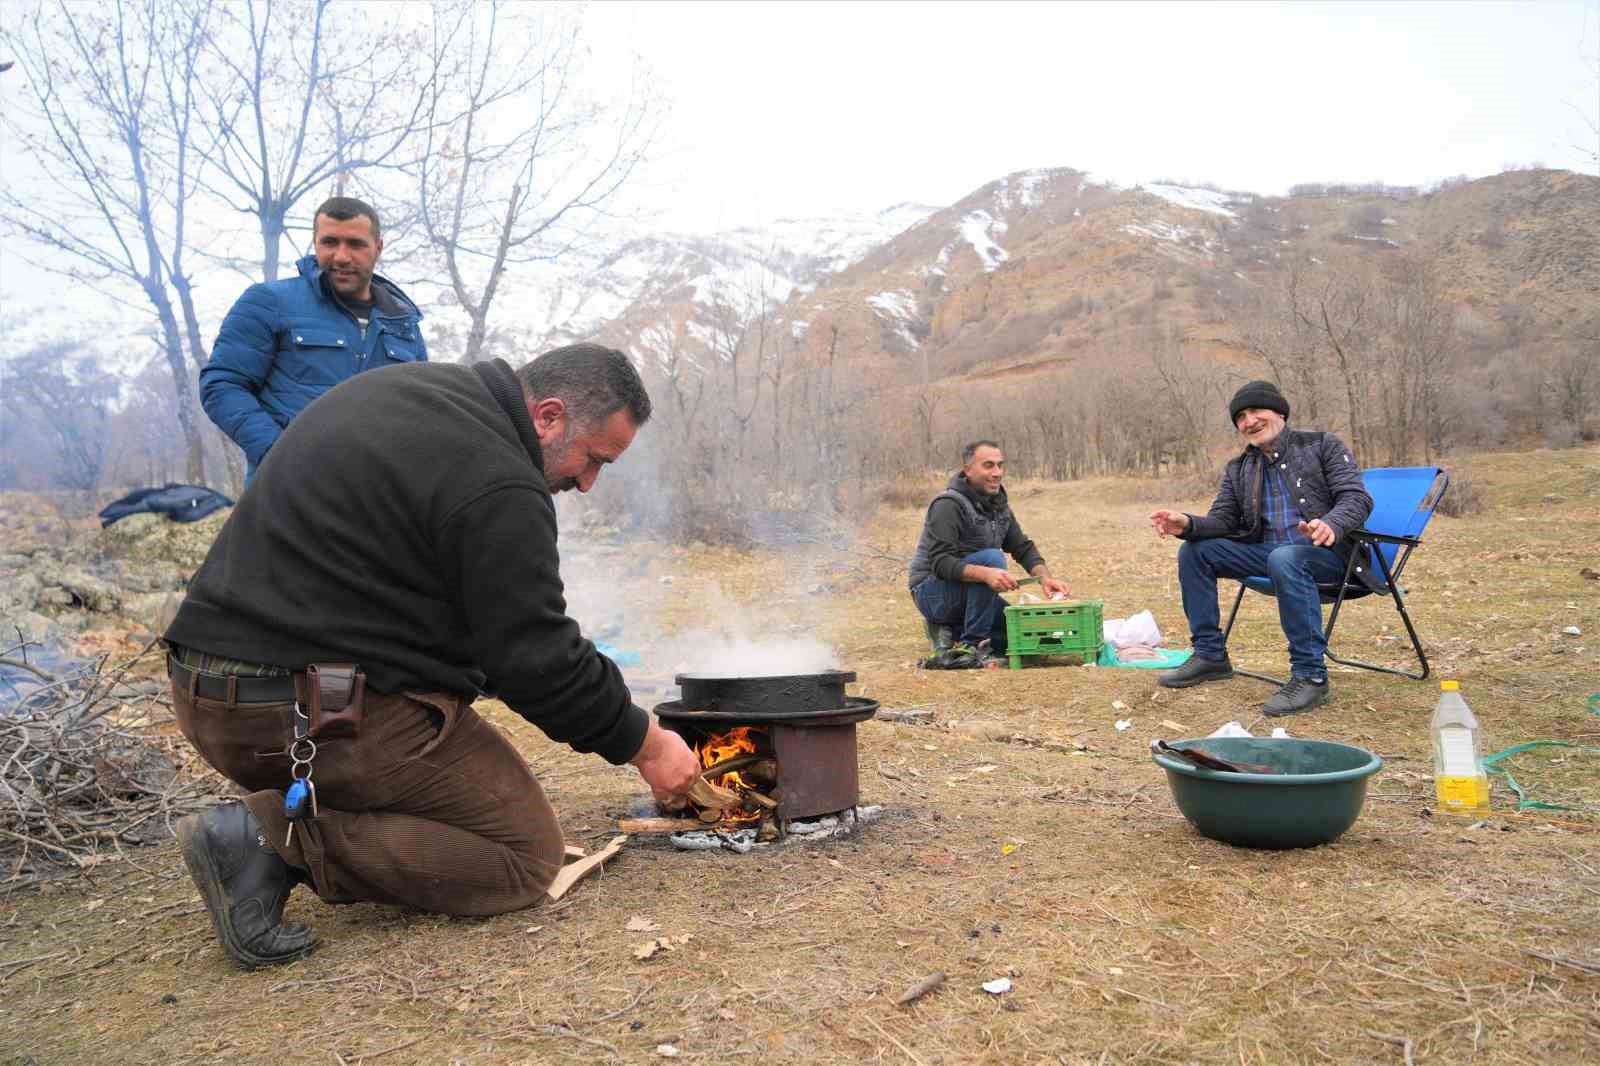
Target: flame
[721,747]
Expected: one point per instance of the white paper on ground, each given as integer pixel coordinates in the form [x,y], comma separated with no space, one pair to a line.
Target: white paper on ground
[1232,729]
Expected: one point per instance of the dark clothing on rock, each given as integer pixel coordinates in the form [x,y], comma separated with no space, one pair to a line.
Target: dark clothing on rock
[961,520]
[181,503]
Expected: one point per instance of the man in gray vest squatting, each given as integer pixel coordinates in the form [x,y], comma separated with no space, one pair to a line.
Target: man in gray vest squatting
[959,569]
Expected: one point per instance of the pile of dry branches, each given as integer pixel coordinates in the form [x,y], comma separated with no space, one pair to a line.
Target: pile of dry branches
[81,771]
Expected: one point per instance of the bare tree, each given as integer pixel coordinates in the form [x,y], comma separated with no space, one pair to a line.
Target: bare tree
[1570,382]
[105,122]
[303,95]
[69,398]
[518,160]
[1278,325]
[1190,394]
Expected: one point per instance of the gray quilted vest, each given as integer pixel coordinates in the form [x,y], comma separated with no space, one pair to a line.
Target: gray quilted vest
[978,531]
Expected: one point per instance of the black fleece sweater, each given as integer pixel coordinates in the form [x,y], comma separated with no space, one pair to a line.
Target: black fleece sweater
[403,522]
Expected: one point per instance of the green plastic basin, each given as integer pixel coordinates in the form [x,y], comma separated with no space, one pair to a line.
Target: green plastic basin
[1315,795]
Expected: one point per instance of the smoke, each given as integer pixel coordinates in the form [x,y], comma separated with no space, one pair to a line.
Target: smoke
[658,617]
[725,655]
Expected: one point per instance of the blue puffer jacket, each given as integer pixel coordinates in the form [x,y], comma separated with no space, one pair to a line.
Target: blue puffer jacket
[286,342]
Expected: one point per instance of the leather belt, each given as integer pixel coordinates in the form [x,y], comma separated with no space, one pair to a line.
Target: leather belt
[231,689]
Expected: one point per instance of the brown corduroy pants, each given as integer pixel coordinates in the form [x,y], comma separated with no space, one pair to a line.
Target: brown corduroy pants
[446,819]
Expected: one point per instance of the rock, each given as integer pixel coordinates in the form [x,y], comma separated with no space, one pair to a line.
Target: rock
[89,591]
[35,628]
[1573,631]
[156,575]
[127,531]
[145,538]
[153,610]
[14,562]
[20,592]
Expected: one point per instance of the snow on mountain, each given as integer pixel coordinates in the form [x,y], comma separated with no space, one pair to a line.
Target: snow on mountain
[1196,199]
[627,289]
[898,308]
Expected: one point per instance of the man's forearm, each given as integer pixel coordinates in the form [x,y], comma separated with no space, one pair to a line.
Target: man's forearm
[978,575]
[1042,572]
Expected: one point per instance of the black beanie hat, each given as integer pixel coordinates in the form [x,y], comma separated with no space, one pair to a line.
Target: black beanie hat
[1263,394]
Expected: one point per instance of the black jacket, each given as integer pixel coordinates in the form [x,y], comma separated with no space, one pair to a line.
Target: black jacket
[403,522]
[1318,469]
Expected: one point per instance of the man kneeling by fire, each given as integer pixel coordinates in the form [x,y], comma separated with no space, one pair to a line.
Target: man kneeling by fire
[394,558]
[959,569]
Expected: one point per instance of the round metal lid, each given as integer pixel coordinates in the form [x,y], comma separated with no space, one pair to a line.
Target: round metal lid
[855,709]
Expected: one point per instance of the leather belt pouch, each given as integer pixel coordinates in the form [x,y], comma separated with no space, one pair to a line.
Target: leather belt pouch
[333,695]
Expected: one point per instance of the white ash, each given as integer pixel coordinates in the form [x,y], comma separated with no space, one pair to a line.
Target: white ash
[742,840]
[737,840]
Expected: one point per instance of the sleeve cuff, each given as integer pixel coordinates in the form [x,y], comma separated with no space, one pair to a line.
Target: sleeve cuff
[627,737]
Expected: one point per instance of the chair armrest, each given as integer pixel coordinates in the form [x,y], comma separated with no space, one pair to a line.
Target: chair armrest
[1370,537]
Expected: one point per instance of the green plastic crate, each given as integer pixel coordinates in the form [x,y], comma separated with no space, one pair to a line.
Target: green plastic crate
[1064,627]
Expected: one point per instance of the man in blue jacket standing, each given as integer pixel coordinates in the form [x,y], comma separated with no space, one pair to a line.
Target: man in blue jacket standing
[287,342]
[1285,508]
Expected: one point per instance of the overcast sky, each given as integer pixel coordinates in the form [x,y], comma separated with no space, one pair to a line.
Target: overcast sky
[785,109]
[799,109]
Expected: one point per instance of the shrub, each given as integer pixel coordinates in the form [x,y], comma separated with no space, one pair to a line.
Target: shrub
[1463,497]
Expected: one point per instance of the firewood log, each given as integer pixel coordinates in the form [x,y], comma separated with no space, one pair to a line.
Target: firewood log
[705,795]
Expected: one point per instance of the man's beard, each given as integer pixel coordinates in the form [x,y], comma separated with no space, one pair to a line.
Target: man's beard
[554,453]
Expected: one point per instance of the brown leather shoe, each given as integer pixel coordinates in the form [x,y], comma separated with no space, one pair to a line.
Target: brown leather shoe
[245,885]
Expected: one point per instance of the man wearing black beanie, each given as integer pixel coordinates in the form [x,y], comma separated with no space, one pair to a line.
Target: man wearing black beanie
[1283,511]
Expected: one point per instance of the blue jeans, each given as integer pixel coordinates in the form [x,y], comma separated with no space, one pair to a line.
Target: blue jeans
[1295,570]
[975,609]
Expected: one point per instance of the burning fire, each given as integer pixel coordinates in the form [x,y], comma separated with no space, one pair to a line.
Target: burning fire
[738,743]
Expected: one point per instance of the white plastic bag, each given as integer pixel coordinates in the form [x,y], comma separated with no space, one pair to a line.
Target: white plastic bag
[1138,631]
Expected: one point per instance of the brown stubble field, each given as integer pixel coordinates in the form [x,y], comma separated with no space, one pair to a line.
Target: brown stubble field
[1023,836]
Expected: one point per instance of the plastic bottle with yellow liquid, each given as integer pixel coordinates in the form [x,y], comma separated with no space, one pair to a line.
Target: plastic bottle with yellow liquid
[1458,777]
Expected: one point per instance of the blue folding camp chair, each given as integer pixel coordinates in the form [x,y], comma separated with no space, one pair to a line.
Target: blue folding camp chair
[1403,499]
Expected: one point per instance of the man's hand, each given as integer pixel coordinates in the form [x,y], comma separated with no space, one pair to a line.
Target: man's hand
[1000,580]
[1169,523]
[666,764]
[1321,534]
[1052,585]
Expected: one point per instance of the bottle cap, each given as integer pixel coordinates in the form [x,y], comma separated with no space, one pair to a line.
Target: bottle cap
[1449,686]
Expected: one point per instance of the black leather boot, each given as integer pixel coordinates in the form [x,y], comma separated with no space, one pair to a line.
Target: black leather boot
[245,885]
[940,636]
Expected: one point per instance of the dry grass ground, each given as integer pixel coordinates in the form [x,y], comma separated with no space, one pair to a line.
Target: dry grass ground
[1128,937]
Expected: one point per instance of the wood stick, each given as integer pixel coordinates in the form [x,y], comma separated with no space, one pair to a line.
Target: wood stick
[910,716]
[728,766]
[764,800]
[1403,1042]
[574,872]
[917,989]
[654,825]
[575,852]
[1559,960]
[712,797]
